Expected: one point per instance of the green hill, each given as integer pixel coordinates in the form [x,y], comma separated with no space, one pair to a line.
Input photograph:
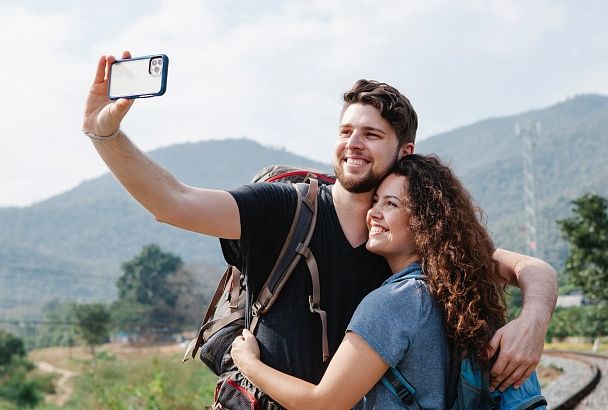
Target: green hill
[570,160]
[71,246]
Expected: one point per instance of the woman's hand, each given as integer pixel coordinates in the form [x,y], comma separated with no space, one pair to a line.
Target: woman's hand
[245,349]
[102,116]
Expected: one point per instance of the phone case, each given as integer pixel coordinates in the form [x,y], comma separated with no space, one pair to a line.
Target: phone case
[138,77]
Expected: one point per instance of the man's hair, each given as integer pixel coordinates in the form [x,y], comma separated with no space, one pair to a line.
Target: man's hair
[393,106]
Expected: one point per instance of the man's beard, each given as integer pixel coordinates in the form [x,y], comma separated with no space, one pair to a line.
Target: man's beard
[361,185]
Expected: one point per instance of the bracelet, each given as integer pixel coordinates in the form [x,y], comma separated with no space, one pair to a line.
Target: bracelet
[99,137]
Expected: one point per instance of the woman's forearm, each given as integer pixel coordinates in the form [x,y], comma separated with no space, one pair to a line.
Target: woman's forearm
[352,355]
[289,391]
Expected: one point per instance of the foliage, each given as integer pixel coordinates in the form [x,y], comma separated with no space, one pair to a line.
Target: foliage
[595,320]
[143,381]
[566,322]
[587,320]
[58,329]
[144,278]
[10,347]
[587,233]
[513,300]
[15,384]
[156,294]
[92,323]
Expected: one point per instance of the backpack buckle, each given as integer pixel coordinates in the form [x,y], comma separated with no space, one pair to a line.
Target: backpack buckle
[311,304]
[255,308]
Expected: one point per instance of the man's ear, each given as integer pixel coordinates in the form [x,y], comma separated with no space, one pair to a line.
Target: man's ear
[406,149]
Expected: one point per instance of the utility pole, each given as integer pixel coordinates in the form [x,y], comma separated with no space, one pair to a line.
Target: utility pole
[529,134]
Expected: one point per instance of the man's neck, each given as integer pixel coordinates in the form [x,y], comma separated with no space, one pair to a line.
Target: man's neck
[351,210]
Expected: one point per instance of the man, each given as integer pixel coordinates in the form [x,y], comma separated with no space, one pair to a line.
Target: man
[377,127]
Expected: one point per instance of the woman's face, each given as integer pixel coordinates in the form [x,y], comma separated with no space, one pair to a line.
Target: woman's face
[388,223]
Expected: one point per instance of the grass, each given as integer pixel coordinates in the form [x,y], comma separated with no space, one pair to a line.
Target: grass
[128,378]
[154,377]
[585,347]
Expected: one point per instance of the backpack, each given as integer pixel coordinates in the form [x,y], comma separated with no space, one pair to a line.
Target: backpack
[231,309]
[468,386]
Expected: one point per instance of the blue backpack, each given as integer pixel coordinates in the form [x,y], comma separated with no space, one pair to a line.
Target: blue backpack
[469,388]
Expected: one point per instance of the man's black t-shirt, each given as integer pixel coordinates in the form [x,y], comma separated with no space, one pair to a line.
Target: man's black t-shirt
[290,334]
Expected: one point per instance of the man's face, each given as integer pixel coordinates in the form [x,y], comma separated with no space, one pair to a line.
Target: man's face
[366,148]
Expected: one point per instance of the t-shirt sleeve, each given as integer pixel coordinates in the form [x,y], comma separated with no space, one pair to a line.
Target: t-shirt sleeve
[266,213]
[387,319]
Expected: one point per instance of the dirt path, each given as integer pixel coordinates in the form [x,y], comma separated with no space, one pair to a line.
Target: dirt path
[63,387]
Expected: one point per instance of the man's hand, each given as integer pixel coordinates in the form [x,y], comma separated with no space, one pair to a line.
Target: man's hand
[520,345]
[102,116]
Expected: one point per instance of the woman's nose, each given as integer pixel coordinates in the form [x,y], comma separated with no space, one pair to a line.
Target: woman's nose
[374,213]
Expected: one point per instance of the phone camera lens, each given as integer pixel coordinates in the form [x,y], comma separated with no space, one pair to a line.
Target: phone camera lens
[160,61]
[153,62]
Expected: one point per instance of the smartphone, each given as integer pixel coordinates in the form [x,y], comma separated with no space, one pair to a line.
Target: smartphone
[138,77]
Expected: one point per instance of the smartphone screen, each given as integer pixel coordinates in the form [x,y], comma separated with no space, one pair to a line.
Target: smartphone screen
[138,77]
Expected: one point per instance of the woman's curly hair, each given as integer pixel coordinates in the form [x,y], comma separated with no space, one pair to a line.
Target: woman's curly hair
[456,254]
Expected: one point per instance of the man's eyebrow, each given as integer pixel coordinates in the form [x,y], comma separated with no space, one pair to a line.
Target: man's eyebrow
[341,126]
[374,129]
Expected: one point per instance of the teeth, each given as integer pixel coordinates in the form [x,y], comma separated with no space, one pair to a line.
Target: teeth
[355,161]
[377,229]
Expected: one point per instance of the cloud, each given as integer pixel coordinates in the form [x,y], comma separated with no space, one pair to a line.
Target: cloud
[274,71]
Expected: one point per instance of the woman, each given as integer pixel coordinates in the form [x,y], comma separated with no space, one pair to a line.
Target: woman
[422,221]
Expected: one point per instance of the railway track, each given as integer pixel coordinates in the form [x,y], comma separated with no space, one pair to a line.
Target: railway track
[582,386]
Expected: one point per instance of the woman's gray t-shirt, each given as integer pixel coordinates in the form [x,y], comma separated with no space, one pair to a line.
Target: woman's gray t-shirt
[405,326]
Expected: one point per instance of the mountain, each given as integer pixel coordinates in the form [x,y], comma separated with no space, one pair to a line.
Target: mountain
[570,159]
[71,246]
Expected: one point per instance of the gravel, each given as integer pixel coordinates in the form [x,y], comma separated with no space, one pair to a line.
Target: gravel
[576,375]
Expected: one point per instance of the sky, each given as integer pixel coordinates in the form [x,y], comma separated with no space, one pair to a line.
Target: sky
[274,71]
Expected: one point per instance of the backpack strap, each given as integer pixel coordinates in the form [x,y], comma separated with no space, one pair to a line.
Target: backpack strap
[396,384]
[231,276]
[294,248]
[453,374]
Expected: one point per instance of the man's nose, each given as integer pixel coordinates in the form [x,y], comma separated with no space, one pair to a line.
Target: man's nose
[355,141]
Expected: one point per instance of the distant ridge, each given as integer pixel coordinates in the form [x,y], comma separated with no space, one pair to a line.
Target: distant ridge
[570,160]
[71,246]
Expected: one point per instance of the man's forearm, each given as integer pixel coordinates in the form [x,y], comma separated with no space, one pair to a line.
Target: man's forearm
[536,279]
[538,283]
[520,342]
[150,184]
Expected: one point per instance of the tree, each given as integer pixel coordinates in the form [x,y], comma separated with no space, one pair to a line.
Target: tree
[587,262]
[15,385]
[60,331]
[10,347]
[587,233]
[92,324]
[147,297]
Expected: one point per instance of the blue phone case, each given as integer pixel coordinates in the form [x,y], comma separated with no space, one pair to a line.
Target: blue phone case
[138,77]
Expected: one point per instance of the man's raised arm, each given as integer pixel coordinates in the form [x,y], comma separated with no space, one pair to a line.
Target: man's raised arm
[521,341]
[207,211]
